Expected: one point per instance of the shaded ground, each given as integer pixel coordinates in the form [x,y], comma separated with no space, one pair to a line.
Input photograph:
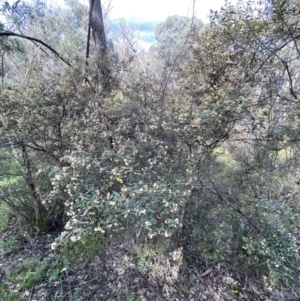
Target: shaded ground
[30,270]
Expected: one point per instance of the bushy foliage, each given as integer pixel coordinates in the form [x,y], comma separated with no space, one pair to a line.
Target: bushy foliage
[118,174]
[145,159]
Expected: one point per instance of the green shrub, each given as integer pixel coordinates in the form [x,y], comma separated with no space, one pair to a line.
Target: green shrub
[7,295]
[5,214]
[28,272]
[128,297]
[84,250]
[274,253]
[11,244]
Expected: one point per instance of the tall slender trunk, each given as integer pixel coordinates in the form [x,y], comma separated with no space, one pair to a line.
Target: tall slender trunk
[96,27]
[37,205]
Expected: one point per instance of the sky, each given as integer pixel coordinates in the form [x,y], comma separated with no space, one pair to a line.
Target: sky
[145,14]
[159,10]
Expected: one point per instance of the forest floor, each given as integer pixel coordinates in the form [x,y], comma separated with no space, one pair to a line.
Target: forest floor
[30,270]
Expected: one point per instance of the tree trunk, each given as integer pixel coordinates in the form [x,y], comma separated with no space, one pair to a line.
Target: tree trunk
[97,26]
[37,205]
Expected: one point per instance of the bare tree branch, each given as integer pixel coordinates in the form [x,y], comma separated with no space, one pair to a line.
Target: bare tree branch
[9,33]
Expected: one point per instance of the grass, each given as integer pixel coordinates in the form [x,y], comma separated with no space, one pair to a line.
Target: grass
[7,295]
[8,172]
[285,154]
[25,273]
[225,158]
[12,244]
[28,272]
[5,214]
[128,297]
[84,250]
[5,211]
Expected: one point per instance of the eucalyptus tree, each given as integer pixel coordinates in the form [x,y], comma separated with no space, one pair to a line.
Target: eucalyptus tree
[172,36]
[171,49]
[96,24]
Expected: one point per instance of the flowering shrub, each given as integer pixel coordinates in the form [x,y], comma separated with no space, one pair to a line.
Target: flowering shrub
[273,252]
[119,197]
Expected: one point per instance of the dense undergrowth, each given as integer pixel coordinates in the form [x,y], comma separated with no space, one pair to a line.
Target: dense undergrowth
[170,174]
[219,239]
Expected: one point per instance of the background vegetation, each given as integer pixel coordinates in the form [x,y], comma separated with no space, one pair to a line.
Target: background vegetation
[176,166]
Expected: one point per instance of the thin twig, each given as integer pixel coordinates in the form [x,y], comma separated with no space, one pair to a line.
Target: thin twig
[235,207]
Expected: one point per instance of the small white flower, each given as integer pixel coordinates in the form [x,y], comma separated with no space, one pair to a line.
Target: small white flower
[142,212]
[167,234]
[74,238]
[53,245]
[99,229]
